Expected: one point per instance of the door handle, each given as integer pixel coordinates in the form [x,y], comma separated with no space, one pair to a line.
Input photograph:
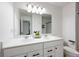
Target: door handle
[50,56]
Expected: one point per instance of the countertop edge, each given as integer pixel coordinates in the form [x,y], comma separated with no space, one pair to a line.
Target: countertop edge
[28,44]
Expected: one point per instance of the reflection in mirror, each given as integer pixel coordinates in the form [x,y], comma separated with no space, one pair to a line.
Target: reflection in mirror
[46,24]
[25,22]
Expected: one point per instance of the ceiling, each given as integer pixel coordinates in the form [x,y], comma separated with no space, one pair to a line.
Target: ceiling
[60,4]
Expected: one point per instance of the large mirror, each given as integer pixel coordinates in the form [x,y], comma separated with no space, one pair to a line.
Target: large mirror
[26,23]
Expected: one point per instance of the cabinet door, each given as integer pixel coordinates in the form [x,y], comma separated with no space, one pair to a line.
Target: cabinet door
[58,51]
[37,53]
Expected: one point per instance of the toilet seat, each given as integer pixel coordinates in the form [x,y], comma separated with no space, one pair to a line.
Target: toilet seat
[70,52]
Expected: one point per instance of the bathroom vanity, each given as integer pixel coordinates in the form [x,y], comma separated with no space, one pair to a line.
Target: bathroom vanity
[40,47]
[26,24]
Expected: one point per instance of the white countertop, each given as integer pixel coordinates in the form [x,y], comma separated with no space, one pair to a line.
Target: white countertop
[22,41]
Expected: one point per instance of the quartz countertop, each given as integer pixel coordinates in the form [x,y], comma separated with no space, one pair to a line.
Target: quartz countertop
[22,41]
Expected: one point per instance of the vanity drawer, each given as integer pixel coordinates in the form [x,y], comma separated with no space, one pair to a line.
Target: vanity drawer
[15,51]
[49,50]
[22,55]
[36,46]
[37,53]
[53,43]
[23,49]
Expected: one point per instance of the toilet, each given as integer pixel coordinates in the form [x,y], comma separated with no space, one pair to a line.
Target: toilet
[70,52]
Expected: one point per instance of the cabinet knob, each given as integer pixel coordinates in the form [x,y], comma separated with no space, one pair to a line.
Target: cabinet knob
[50,56]
[55,48]
[25,56]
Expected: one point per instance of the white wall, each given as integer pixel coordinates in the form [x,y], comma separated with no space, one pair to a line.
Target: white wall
[6,21]
[7,26]
[69,22]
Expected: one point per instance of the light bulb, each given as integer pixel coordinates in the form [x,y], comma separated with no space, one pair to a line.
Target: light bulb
[39,9]
[43,9]
[34,9]
[41,13]
[29,8]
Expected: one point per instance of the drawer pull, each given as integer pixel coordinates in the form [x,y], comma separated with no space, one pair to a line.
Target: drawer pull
[50,56]
[55,48]
[50,50]
[36,54]
[25,56]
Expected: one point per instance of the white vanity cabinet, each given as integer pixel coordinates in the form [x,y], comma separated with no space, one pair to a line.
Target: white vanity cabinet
[46,49]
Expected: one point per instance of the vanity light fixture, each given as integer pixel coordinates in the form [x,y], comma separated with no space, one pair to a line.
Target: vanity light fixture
[35,9]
